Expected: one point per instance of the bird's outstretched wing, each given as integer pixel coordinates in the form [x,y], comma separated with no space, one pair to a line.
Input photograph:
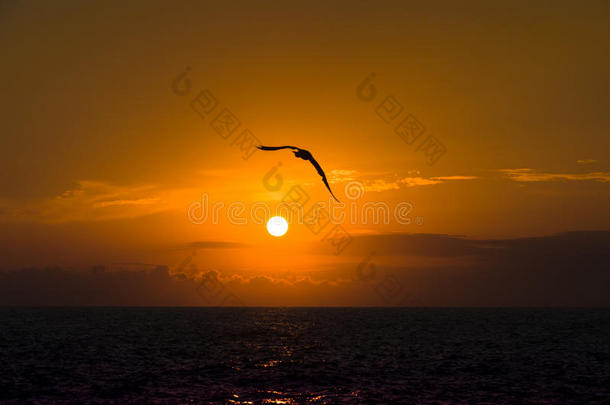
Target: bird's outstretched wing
[261,147]
[307,157]
[321,173]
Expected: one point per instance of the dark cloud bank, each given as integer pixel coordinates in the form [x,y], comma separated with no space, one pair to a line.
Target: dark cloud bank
[567,269]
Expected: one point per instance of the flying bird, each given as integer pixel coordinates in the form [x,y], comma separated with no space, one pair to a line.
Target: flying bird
[305,155]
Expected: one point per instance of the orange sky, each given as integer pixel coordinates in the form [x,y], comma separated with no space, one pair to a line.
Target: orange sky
[103,152]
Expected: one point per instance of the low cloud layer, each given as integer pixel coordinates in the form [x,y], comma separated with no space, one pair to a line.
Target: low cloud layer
[377,182]
[567,269]
[530,175]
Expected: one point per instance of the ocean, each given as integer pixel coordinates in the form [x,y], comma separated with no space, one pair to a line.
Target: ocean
[304,355]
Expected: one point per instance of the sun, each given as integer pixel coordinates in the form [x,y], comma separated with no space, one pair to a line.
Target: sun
[277,226]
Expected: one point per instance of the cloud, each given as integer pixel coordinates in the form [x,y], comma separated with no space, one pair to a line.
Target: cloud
[156,286]
[140,201]
[211,244]
[444,245]
[418,181]
[585,161]
[529,175]
[449,178]
[426,245]
[95,200]
[566,269]
[341,175]
[373,183]
[381,185]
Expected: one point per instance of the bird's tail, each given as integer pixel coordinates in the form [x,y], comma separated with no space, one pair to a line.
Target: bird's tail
[331,191]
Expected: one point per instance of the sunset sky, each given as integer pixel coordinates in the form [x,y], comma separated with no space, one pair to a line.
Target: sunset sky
[105,145]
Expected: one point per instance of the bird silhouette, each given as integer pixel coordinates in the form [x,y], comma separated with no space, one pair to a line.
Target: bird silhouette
[305,155]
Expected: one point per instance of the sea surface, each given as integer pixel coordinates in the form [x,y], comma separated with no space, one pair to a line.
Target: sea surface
[304,355]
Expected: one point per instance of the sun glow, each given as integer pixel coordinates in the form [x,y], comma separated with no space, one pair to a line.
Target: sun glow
[277,226]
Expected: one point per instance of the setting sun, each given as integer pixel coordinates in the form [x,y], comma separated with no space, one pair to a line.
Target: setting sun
[277,226]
